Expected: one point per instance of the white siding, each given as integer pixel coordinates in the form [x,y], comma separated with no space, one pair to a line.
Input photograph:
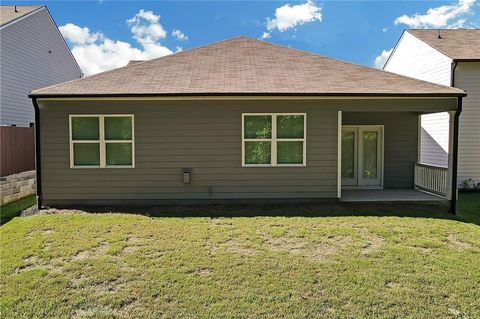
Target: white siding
[26,64]
[467,77]
[434,139]
[414,58]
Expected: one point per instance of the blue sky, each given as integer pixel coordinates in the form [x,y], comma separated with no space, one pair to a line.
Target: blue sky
[357,31]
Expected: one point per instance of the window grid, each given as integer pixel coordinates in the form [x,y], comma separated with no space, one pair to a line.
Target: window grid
[101,141]
[273,140]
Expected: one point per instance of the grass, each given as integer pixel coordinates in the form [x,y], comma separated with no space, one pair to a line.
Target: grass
[82,265]
[13,209]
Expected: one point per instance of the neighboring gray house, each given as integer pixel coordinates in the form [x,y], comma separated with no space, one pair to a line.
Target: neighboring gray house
[448,57]
[33,55]
[238,120]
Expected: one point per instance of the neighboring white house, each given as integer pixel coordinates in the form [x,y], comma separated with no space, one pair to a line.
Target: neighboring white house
[33,54]
[449,57]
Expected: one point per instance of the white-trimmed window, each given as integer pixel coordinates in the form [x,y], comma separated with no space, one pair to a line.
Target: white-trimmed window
[274,139]
[102,141]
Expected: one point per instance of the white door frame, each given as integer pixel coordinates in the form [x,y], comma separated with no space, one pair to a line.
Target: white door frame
[356,183]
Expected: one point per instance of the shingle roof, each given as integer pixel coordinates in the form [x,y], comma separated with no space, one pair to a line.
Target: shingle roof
[244,65]
[457,44]
[131,62]
[8,14]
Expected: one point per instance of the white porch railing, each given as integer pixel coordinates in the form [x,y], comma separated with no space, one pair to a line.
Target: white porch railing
[433,179]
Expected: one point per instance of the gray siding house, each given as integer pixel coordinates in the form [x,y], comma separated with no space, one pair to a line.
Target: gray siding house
[236,121]
[33,55]
[448,57]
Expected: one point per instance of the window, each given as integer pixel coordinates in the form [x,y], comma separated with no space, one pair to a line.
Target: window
[276,139]
[100,141]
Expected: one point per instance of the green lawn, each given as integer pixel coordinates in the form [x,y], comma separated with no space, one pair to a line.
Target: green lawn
[82,265]
[13,209]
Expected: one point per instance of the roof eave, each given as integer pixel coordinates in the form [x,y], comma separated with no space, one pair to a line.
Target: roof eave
[129,95]
[23,16]
[467,60]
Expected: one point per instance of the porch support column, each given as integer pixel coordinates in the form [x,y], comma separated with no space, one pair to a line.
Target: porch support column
[454,120]
[419,138]
[339,155]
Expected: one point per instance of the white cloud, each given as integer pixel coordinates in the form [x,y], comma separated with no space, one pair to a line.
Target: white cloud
[382,58]
[76,35]
[458,24]
[96,53]
[145,27]
[288,16]
[438,17]
[385,29]
[179,35]
[266,35]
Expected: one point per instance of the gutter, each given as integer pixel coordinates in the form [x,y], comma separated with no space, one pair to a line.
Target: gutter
[252,95]
[466,60]
[38,166]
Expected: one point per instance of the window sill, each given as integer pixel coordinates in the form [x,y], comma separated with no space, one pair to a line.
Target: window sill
[278,165]
[98,167]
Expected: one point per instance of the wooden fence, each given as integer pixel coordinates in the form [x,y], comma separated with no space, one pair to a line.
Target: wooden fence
[17,150]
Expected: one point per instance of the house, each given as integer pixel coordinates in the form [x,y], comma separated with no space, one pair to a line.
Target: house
[447,57]
[238,120]
[33,55]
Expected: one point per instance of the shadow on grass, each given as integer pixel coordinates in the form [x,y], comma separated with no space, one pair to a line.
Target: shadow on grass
[468,210]
[13,209]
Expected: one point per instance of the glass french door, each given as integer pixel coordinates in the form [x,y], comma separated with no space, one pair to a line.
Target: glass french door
[362,156]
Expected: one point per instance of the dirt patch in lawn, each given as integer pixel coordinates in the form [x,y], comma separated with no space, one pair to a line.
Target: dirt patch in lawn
[374,243]
[100,250]
[236,246]
[322,248]
[315,251]
[32,263]
[37,263]
[204,272]
[280,239]
[457,244]
[133,244]
[318,251]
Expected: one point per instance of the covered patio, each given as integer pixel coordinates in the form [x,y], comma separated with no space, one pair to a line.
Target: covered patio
[389,195]
[380,155]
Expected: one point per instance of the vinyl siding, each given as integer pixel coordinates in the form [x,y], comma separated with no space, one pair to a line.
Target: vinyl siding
[26,64]
[467,77]
[206,136]
[170,136]
[400,143]
[431,151]
[414,58]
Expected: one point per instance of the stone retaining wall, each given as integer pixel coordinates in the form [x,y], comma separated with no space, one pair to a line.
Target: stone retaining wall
[17,186]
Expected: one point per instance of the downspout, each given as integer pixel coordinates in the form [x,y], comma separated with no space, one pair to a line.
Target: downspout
[38,166]
[452,73]
[456,122]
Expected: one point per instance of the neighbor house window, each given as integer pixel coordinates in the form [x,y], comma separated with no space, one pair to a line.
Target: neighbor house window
[274,139]
[101,141]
